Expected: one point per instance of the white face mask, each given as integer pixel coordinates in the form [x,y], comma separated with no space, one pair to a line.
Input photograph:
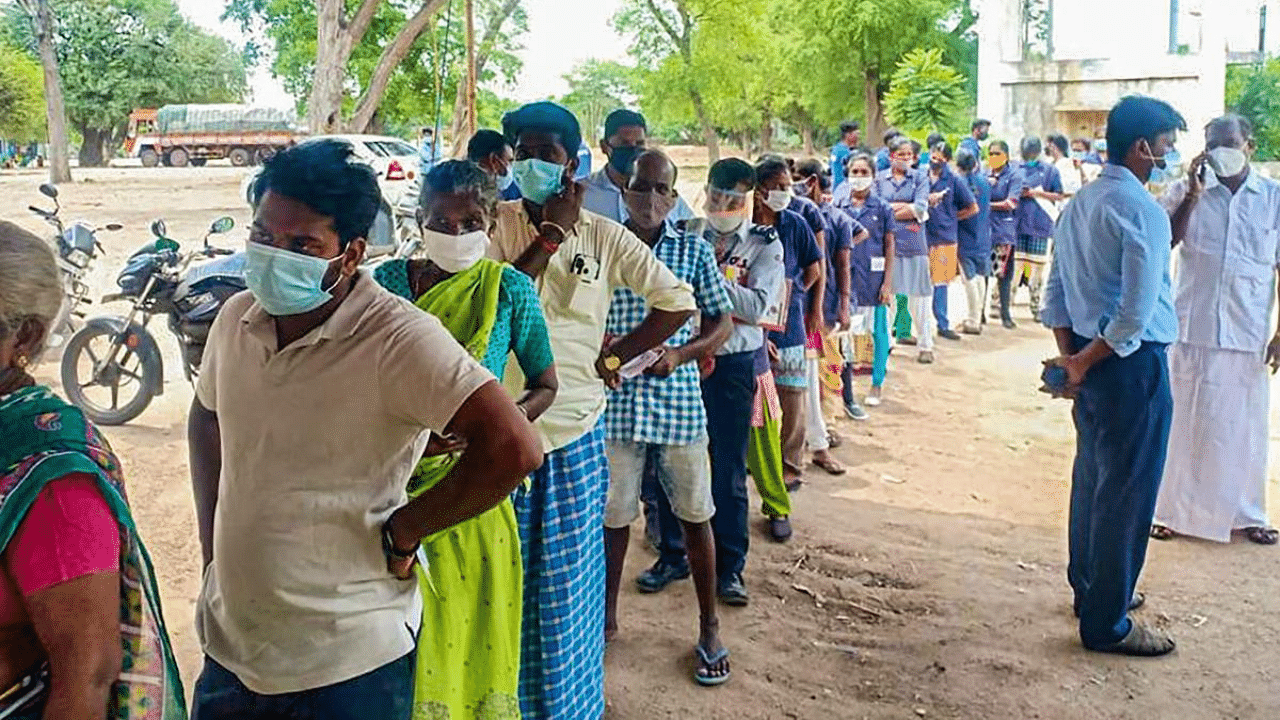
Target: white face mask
[778,200]
[1227,162]
[860,183]
[455,253]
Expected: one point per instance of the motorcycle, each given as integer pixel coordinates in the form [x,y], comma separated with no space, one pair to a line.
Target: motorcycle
[78,247]
[112,368]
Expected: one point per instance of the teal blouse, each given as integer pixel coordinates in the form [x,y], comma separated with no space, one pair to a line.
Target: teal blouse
[519,327]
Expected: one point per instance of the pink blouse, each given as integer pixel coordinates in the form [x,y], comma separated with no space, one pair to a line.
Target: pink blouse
[70,532]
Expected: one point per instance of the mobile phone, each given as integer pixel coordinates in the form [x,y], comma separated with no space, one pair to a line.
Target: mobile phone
[1054,378]
[23,694]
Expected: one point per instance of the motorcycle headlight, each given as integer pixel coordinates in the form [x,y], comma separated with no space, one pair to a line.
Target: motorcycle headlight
[78,257]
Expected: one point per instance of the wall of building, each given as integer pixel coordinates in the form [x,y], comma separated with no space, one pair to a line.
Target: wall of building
[1101,50]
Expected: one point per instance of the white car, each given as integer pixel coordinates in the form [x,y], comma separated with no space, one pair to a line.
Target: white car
[396,162]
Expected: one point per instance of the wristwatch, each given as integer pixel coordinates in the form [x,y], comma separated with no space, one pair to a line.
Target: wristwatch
[612,363]
[389,545]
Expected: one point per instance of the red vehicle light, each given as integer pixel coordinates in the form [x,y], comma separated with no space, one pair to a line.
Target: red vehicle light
[395,171]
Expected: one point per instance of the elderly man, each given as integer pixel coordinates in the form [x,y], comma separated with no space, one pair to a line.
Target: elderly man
[1111,311]
[1225,217]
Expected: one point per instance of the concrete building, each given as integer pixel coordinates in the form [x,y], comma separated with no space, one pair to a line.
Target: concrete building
[1059,65]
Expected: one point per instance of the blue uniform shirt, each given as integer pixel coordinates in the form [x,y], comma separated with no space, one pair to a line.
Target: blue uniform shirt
[799,251]
[1032,219]
[841,230]
[971,144]
[1110,271]
[883,161]
[942,225]
[839,154]
[1004,223]
[912,188]
[975,232]
[867,262]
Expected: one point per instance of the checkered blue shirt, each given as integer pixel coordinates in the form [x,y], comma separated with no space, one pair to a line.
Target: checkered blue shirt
[666,411]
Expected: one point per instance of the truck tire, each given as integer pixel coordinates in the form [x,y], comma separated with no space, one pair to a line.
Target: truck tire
[150,158]
[239,157]
[263,154]
[179,157]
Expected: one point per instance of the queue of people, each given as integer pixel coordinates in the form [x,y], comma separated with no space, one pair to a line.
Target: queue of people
[415,485]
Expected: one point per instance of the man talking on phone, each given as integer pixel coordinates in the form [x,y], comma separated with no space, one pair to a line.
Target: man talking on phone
[1109,305]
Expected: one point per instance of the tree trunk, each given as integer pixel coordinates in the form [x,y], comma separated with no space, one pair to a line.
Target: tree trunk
[335,38]
[391,57]
[806,136]
[708,132]
[55,105]
[91,150]
[876,125]
[766,133]
[483,50]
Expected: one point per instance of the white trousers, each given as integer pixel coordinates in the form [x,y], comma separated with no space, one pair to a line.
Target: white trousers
[815,430]
[1215,477]
[977,299]
[921,309]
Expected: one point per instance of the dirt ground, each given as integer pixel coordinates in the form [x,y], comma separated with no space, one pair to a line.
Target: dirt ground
[928,582]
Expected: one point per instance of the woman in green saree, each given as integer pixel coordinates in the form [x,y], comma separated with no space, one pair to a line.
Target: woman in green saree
[81,631]
[469,645]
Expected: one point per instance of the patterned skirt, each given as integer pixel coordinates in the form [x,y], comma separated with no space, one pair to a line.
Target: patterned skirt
[562,636]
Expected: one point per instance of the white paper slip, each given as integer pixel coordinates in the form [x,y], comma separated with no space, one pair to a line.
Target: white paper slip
[638,364]
[877,264]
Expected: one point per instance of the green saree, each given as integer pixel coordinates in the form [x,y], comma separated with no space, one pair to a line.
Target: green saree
[46,439]
[469,647]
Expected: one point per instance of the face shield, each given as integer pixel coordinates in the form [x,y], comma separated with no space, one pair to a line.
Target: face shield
[727,210]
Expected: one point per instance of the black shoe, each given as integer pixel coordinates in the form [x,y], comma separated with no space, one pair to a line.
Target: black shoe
[949,334]
[1009,324]
[657,578]
[733,592]
[780,529]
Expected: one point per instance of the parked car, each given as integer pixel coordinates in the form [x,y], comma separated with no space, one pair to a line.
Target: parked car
[395,161]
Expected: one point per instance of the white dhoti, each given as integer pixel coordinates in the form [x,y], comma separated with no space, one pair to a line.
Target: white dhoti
[1215,478]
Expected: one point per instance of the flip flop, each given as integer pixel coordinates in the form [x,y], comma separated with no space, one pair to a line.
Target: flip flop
[831,466]
[1262,536]
[706,663]
[1160,532]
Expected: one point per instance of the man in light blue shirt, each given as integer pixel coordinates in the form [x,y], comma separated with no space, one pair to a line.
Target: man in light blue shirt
[850,134]
[1109,304]
[625,138]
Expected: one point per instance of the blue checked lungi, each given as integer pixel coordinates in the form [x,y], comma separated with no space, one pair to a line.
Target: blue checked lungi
[561,517]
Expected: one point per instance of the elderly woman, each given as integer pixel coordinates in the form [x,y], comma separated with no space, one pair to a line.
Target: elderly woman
[81,632]
[469,647]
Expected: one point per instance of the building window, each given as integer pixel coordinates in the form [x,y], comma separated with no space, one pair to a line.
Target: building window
[1037,29]
[1184,27]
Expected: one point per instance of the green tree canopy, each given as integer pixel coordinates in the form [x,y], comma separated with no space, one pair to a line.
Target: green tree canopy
[22,116]
[1254,92]
[597,88]
[125,54]
[926,93]
[287,29]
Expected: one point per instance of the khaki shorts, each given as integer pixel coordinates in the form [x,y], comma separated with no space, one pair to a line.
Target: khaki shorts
[684,472]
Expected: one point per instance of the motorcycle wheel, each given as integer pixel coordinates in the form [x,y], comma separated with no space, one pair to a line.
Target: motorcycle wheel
[111,395]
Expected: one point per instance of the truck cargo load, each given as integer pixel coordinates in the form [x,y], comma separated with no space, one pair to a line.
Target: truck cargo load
[181,135]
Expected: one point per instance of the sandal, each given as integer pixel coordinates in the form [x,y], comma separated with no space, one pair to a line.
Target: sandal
[706,663]
[1262,536]
[1160,532]
[830,465]
[794,484]
[1141,641]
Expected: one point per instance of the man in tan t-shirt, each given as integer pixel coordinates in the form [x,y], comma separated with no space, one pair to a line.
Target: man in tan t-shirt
[317,393]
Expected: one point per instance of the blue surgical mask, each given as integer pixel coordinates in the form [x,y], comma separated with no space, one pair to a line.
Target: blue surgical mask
[538,179]
[287,283]
[1162,167]
[505,180]
[1078,155]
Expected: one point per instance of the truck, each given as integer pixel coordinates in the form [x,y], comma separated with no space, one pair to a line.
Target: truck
[182,135]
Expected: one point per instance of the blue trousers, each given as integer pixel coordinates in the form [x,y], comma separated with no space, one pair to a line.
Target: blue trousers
[940,307]
[728,394]
[386,692]
[1122,416]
